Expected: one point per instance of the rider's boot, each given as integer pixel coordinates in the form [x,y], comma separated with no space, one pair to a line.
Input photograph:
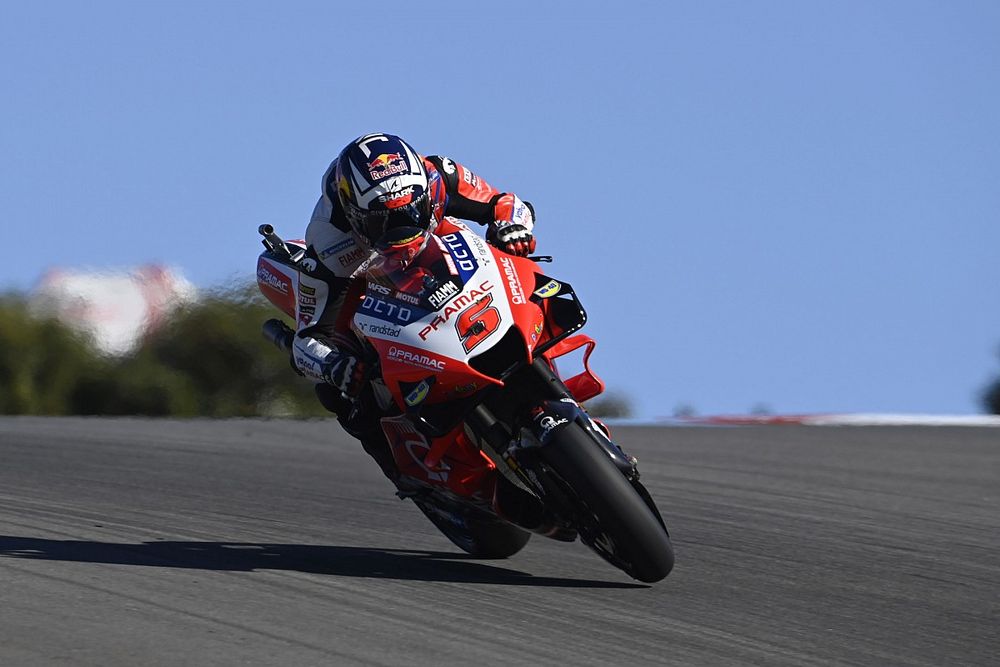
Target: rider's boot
[363,425]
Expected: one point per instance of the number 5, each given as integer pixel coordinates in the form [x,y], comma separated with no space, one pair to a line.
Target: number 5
[477,322]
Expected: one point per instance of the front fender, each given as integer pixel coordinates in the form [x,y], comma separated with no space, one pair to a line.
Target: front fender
[551,416]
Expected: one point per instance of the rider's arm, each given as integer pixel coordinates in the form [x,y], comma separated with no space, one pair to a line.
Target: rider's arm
[471,197]
[332,256]
[510,220]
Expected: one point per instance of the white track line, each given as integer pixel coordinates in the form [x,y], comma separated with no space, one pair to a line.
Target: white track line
[904,420]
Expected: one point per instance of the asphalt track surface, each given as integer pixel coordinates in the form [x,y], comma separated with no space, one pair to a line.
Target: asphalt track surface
[141,542]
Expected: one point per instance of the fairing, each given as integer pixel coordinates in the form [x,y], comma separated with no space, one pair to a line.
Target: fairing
[278,280]
[445,312]
[456,301]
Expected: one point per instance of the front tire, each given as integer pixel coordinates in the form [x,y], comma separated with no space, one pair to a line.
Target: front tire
[615,520]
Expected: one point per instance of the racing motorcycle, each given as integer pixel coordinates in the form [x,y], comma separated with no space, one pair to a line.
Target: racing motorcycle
[491,442]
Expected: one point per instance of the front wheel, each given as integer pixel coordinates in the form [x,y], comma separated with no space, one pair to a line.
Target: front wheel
[614,519]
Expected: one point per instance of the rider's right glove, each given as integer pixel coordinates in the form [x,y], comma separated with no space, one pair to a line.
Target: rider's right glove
[344,372]
[323,362]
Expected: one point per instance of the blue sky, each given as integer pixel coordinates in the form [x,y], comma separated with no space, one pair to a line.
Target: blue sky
[790,204]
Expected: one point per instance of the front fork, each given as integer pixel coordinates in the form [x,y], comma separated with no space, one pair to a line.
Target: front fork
[554,410]
[549,417]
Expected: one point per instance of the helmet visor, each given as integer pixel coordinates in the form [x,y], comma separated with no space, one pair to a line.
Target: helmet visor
[371,225]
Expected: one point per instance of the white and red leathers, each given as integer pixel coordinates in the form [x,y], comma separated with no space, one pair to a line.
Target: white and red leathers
[323,337]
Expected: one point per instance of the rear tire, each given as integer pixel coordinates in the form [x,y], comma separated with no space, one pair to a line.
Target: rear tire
[624,530]
[480,536]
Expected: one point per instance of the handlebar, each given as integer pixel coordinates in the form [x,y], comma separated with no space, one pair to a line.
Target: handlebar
[273,242]
[279,334]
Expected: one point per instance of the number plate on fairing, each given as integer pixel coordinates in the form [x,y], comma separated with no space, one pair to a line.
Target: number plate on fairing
[458,317]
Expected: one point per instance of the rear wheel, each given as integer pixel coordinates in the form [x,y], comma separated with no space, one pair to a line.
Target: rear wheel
[480,535]
[614,518]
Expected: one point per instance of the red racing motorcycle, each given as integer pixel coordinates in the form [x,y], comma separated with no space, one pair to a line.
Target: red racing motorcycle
[491,442]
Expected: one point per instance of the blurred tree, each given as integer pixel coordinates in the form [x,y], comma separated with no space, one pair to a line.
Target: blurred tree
[610,405]
[209,360]
[212,352]
[41,361]
[133,387]
[684,411]
[991,397]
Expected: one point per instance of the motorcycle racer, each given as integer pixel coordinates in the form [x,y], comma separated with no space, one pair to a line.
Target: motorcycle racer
[379,182]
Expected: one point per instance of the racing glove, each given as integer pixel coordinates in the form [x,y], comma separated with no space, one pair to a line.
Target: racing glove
[511,231]
[324,363]
[344,373]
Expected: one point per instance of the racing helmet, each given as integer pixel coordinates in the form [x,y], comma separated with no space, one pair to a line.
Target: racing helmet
[400,246]
[381,184]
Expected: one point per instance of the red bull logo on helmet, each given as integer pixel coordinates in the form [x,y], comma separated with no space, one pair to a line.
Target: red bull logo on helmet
[387,164]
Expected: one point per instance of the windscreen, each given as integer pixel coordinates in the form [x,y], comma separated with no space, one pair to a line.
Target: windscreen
[430,280]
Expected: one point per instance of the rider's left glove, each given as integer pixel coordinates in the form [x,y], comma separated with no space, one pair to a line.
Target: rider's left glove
[511,238]
[512,229]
